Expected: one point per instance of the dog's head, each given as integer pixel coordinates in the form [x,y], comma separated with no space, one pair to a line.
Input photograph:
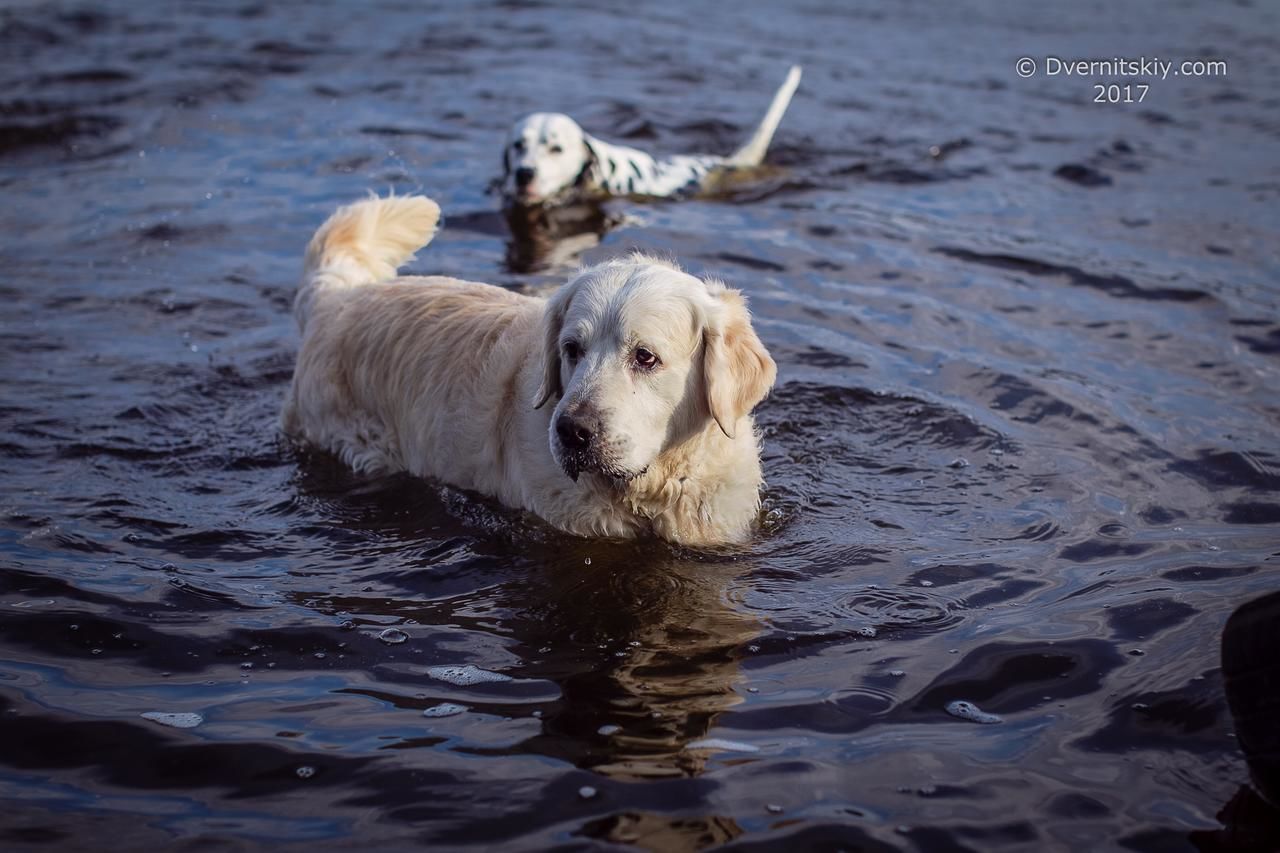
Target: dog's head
[547,155]
[643,357]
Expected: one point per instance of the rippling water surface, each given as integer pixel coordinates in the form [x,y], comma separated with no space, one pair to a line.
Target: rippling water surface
[1023,453]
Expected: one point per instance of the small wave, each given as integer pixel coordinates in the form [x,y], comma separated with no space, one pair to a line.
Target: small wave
[1119,286]
[866,611]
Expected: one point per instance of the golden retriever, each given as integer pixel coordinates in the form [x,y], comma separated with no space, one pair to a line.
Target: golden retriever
[654,374]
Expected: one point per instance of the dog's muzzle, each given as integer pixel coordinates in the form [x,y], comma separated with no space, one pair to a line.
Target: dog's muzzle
[578,444]
[582,449]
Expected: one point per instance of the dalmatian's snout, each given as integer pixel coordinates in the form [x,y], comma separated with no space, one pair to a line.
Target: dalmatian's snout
[524,176]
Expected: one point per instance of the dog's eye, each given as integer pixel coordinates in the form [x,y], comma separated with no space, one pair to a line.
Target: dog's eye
[645,360]
[571,350]
[556,149]
[518,145]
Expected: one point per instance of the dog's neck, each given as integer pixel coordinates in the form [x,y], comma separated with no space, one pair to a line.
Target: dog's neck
[678,486]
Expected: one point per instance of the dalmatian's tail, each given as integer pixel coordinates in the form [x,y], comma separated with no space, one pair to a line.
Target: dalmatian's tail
[752,154]
[364,243]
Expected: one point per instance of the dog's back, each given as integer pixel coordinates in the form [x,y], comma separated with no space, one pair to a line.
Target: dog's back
[403,374]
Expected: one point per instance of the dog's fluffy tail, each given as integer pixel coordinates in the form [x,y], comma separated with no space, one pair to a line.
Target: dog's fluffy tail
[364,243]
[752,154]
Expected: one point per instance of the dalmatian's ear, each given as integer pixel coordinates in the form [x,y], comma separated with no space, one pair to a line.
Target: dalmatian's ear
[589,164]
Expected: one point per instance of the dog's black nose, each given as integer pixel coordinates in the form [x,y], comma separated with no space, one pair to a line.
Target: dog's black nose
[524,176]
[574,435]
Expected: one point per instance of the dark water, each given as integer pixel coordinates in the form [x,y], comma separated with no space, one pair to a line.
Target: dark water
[1023,452]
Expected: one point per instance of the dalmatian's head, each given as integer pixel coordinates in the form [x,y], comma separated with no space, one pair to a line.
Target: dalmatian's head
[546,156]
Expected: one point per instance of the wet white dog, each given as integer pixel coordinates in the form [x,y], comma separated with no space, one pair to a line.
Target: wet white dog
[654,374]
[550,157]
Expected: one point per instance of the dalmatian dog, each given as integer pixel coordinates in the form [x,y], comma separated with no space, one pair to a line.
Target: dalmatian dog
[550,159]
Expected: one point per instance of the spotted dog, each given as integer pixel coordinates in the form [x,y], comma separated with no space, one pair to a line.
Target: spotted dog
[550,158]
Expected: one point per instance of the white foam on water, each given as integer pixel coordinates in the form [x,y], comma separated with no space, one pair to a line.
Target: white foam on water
[722,744]
[466,675]
[971,712]
[445,709]
[176,721]
[393,636]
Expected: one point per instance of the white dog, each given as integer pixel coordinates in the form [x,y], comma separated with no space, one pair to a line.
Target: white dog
[549,157]
[654,373]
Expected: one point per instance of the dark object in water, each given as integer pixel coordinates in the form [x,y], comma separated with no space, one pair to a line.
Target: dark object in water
[1251,675]
[1085,176]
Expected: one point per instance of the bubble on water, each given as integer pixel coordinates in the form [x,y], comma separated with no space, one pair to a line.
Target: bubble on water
[723,744]
[319,656]
[897,673]
[586,561]
[174,720]
[306,771]
[466,675]
[971,712]
[608,729]
[773,808]
[445,709]
[867,631]
[587,792]
[958,462]
[393,636]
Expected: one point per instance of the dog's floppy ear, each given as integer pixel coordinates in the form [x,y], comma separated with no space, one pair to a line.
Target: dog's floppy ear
[552,322]
[737,370]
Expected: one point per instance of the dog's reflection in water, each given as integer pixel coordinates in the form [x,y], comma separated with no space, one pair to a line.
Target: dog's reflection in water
[643,641]
[669,668]
[545,237]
